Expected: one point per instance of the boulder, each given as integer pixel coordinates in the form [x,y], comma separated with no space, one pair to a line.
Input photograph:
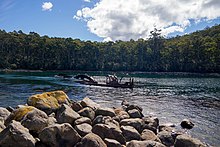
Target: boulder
[4,113]
[137,123]
[131,107]
[125,103]
[167,127]
[91,140]
[149,135]
[66,114]
[36,120]
[18,114]
[106,120]
[121,114]
[2,126]
[166,138]
[48,101]
[59,135]
[148,143]
[151,123]
[82,120]
[134,113]
[87,112]
[76,106]
[105,112]
[106,131]
[83,129]
[16,135]
[112,143]
[130,133]
[187,141]
[187,124]
[87,102]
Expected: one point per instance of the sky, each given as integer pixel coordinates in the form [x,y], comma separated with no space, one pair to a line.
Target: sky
[108,20]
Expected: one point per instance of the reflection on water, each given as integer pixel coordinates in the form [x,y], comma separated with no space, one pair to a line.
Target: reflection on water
[170,97]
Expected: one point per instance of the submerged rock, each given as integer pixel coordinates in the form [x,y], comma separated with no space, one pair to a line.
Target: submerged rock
[16,135]
[48,101]
[187,124]
[58,135]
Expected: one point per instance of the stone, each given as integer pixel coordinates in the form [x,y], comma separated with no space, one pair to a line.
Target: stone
[112,143]
[66,114]
[4,113]
[2,126]
[48,101]
[151,123]
[106,120]
[87,102]
[76,106]
[125,103]
[148,143]
[87,112]
[16,135]
[105,112]
[149,135]
[166,138]
[59,135]
[91,140]
[83,129]
[82,120]
[137,123]
[187,124]
[130,133]
[130,107]
[121,114]
[166,127]
[134,113]
[18,114]
[187,141]
[35,120]
[106,131]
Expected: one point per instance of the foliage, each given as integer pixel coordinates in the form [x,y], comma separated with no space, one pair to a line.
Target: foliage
[196,52]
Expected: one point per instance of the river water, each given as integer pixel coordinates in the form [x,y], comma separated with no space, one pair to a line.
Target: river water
[169,96]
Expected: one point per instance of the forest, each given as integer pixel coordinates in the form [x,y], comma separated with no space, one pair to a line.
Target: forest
[195,52]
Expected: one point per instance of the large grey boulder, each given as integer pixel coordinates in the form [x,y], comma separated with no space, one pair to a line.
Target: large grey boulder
[87,112]
[148,143]
[16,135]
[130,133]
[166,138]
[187,141]
[87,102]
[82,120]
[91,140]
[83,129]
[66,114]
[59,135]
[105,111]
[106,120]
[36,120]
[4,113]
[106,131]
[137,123]
[149,135]
[134,113]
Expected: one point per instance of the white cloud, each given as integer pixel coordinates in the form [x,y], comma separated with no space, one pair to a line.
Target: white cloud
[133,19]
[87,1]
[47,6]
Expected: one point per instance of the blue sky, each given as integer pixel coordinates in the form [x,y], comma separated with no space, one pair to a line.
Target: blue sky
[99,20]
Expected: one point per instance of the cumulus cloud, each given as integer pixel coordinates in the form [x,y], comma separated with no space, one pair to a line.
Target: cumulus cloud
[134,19]
[87,1]
[47,6]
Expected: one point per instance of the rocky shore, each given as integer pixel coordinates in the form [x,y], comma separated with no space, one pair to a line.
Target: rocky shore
[51,119]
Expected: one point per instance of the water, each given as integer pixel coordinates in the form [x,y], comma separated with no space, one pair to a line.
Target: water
[170,97]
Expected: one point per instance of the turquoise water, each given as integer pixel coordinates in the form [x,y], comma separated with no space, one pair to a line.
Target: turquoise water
[169,96]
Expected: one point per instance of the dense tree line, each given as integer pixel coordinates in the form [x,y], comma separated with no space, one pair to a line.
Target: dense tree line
[196,52]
